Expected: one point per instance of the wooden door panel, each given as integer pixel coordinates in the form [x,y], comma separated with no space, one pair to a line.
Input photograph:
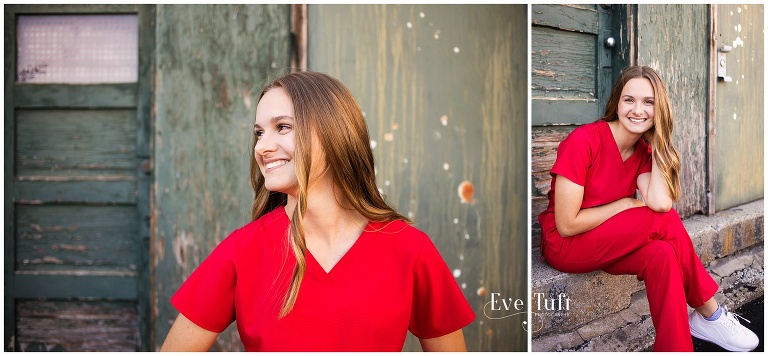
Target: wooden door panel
[77,325]
[69,237]
[740,106]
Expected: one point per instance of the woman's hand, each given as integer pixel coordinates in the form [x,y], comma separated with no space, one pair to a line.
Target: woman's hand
[571,219]
[187,336]
[452,342]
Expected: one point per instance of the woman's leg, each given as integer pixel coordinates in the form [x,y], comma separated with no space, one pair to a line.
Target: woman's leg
[626,234]
[656,264]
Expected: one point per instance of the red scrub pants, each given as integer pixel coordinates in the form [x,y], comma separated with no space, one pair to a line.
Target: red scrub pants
[655,247]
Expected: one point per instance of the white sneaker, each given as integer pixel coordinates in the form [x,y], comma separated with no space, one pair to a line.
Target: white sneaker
[726,331]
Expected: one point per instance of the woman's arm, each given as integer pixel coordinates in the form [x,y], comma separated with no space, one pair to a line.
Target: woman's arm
[654,189]
[452,342]
[571,219]
[187,336]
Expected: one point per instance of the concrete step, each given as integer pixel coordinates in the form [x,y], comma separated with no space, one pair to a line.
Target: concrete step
[610,313]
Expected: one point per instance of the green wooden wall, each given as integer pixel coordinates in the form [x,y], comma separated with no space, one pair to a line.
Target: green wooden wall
[740,106]
[673,39]
[212,62]
[443,89]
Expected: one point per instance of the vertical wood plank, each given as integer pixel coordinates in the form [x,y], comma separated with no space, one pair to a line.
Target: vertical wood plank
[673,41]
[8,186]
[212,62]
[443,89]
[740,107]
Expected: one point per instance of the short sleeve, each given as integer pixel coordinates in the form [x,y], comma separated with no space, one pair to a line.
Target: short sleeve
[574,156]
[207,297]
[439,307]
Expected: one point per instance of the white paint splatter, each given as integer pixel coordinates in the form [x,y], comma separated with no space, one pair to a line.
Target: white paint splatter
[446,166]
[247,100]
[421,14]
[363,113]
[738,41]
[410,215]
[405,160]
[437,35]
[463,286]
[466,236]
[456,273]
[387,182]
[734,116]
[381,192]
[455,49]
[444,120]
[389,137]
[461,257]
[409,24]
[273,65]
[455,221]
[738,9]
[418,49]
[374,144]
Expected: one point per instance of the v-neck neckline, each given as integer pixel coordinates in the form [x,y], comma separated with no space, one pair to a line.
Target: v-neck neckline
[312,261]
[352,250]
[616,145]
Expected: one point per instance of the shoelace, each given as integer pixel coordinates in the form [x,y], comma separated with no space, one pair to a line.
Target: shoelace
[732,317]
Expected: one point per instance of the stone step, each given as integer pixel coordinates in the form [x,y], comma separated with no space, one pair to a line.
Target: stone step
[729,243]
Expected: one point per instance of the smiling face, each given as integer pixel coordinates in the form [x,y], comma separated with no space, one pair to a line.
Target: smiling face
[275,146]
[636,106]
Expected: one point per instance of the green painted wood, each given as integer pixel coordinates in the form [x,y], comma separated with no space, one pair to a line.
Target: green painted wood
[67,237]
[77,326]
[740,107]
[75,9]
[75,140]
[144,174]
[74,152]
[673,40]
[9,330]
[80,285]
[577,18]
[445,100]
[75,96]
[83,192]
[212,62]
[562,64]
[559,111]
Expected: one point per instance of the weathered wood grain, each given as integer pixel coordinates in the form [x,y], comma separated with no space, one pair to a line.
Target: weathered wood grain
[212,62]
[562,64]
[577,18]
[674,42]
[76,140]
[740,107]
[75,96]
[445,100]
[77,325]
[83,237]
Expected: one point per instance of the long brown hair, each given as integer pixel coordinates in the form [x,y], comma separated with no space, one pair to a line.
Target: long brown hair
[664,151]
[320,101]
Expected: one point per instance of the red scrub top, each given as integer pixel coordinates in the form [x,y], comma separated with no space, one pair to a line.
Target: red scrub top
[590,158]
[390,281]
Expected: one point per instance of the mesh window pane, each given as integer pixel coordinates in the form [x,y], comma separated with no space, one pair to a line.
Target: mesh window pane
[78,49]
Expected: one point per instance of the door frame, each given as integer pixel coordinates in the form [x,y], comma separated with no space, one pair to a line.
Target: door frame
[144,90]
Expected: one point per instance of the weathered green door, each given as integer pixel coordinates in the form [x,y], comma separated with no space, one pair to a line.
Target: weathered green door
[443,89]
[576,50]
[76,177]
[739,104]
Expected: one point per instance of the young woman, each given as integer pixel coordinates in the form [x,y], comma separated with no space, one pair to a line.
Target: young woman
[594,223]
[326,265]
